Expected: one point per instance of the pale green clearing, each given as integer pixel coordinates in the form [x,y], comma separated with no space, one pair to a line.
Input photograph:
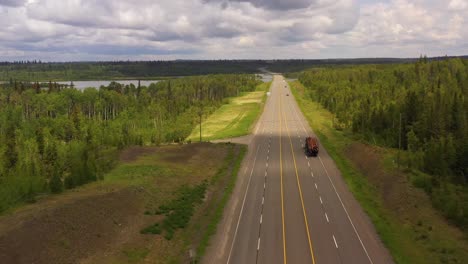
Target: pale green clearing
[234,119]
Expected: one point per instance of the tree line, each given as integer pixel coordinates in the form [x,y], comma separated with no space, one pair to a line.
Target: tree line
[54,137]
[419,107]
[44,71]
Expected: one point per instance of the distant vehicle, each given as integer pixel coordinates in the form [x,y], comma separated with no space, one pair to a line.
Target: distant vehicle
[311,146]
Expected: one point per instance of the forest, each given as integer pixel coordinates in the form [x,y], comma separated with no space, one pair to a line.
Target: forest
[55,138]
[34,70]
[420,108]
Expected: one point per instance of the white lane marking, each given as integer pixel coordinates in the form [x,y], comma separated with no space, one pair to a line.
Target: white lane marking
[267,164]
[295,112]
[346,211]
[266,173]
[242,208]
[336,245]
[264,185]
[268,157]
[316,186]
[333,185]
[311,173]
[261,219]
[321,200]
[263,200]
[258,244]
[308,163]
[326,216]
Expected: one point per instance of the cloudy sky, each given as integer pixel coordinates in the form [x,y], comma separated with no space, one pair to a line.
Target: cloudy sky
[65,30]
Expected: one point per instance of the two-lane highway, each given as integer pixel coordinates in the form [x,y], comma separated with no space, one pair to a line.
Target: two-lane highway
[289,208]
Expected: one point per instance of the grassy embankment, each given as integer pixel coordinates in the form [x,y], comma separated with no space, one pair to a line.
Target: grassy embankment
[233,119]
[185,194]
[426,239]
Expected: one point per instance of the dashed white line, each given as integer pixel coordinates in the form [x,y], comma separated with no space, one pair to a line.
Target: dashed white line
[321,200]
[312,174]
[326,216]
[308,163]
[258,244]
[346,211]
[316,186]
[336,245]
[268,157]
[261,219]
[263,200]
[266,173]
[242,208]
[267,164]
[264,185]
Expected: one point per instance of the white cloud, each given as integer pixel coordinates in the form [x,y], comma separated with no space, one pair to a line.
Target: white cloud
[79,29]
[458,4]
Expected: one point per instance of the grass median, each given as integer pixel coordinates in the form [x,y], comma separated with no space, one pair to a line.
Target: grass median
[235,118]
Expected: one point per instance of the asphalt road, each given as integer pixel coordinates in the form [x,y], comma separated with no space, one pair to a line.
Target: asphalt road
[289,208]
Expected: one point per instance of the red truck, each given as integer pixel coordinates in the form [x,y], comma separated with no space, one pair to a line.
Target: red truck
[311,146]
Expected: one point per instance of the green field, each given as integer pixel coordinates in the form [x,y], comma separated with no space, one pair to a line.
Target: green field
[182,222]
[233,119]
[425,239]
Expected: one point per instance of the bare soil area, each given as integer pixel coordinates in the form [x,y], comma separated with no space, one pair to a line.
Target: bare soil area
[101,222]
[410,205]
[71,230]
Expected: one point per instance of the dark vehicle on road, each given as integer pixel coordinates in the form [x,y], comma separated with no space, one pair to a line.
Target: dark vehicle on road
[311,146]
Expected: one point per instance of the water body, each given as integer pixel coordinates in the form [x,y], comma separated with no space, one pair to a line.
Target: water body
[266,77]
[81,85]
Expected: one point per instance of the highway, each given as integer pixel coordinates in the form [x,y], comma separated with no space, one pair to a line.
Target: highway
[289,208]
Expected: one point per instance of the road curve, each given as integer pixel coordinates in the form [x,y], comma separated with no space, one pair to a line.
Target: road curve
[288,208]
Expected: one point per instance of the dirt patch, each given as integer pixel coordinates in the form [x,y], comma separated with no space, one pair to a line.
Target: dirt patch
[71,231]
[393,186]
[409,204]
[174,153]
[132,153]
[101,222]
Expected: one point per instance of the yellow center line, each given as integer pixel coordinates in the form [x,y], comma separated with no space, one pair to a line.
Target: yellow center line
[281,175]
[299,186]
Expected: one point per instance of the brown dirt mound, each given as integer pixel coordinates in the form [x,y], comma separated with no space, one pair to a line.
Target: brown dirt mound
[101,222]
[132,153]
[392,186]
[408,203]
[69,231]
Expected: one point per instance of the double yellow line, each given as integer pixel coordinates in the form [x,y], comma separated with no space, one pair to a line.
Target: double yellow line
[281,116]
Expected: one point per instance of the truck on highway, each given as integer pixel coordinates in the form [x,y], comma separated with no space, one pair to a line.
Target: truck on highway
[311,146]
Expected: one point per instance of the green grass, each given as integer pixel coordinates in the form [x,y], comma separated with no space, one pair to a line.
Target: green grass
[178,211]
[233,119]
[174,180]
[135,255]
[413,244]
[217,214]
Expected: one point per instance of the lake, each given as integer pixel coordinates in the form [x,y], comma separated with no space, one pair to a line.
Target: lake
[81,85]
[266,77]
[96,84]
